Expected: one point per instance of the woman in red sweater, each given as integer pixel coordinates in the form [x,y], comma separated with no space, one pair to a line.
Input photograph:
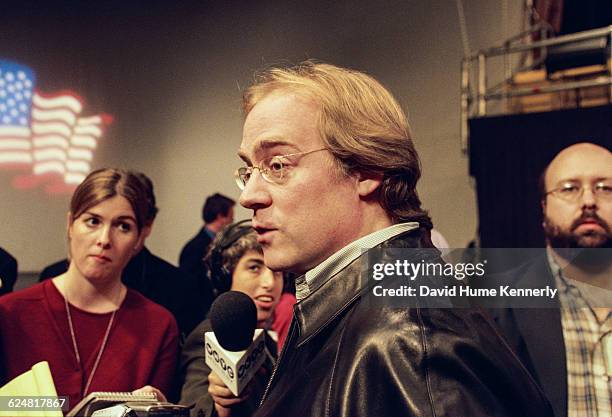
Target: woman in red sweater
[96,334]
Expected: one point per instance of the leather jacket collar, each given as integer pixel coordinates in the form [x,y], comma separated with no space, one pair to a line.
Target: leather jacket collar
[337,294]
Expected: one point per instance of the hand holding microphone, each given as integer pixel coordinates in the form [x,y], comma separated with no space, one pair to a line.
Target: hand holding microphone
[223,397]
[234,350]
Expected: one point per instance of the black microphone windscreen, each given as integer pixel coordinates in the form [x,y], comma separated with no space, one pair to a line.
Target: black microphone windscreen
[233,317]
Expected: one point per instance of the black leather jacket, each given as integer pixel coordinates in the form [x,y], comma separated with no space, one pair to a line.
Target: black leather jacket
[344,358]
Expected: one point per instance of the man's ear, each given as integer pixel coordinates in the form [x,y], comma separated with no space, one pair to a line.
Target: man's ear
[543,205]
[367,184]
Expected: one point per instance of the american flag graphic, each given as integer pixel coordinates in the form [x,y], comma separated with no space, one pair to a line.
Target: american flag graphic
[46,134]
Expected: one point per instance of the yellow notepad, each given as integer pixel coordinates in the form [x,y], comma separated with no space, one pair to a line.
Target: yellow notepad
[36,382]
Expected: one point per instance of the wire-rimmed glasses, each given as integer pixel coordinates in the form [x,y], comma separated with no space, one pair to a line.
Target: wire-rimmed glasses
[272,169]
[571,191]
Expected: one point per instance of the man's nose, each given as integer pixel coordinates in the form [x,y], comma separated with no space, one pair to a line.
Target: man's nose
[255,194]
[588,197]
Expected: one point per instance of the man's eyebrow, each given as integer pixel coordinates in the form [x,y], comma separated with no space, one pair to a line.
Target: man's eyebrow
[577,179]
[242,155]
[265,144]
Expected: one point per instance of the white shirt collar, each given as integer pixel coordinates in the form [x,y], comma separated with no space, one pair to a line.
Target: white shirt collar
[314,278]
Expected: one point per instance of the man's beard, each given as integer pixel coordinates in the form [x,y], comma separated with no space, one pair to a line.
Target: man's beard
[569,239]
[577,248]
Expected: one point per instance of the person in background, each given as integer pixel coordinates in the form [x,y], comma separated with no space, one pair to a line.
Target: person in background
[8,272]
[96,334]
[217,212]
[568,346]
[235,262]
[156,279]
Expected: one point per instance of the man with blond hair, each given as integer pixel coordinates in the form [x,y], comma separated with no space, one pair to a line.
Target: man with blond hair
[330,174]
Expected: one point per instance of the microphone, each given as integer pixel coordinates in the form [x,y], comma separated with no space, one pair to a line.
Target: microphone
[235,350]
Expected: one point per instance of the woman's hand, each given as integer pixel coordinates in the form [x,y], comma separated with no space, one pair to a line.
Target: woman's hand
[148,388]
[222,396]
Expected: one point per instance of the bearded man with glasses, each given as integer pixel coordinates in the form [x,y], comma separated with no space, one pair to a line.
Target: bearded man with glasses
[568,345]
[330,174]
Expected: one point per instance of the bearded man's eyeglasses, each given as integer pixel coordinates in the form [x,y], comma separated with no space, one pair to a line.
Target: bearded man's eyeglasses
[272,170]
[572,192]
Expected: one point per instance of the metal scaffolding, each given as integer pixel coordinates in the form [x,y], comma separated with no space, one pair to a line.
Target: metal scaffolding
[476,94]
